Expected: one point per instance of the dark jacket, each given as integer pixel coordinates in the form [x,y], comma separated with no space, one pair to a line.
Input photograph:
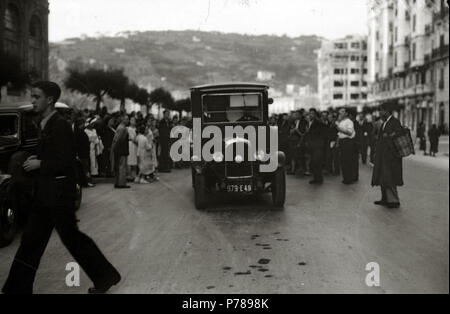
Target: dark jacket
[165,127]
[388,169]
[56,178]
[364,132]
[316,136]
[82,145]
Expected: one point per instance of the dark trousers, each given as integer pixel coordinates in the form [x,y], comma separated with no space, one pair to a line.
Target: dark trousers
[336,161]
[373,145]
[165,162]
[390,195]
[35,238]
[363,148]
[316,164]
[349,160]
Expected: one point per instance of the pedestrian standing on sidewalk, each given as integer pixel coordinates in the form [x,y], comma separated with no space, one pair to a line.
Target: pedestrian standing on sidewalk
[119,153]
[388,169]
[82,150]
[421,135]
[348,148]
[434,135]
[54,203]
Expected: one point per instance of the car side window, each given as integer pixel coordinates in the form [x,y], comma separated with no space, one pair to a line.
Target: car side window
[29,127]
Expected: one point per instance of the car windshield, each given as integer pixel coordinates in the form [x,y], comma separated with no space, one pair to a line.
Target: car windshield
[9,129]
[232,108]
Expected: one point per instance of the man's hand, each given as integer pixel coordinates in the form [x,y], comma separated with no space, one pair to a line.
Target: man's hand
[31,164]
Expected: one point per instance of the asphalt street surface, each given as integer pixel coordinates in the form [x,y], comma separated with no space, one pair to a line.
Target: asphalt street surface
[320,243]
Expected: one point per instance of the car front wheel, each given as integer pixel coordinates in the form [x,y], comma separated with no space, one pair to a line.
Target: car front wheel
[200,191]
[79,196]
[9,221]
[279,188]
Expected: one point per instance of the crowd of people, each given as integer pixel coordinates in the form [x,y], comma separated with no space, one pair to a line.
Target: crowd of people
[330,142]
[434,133]
[129,147]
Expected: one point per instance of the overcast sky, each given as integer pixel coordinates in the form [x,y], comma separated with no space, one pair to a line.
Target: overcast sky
[327,18]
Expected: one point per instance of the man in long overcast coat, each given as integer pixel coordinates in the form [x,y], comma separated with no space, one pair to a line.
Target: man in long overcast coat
[388,169]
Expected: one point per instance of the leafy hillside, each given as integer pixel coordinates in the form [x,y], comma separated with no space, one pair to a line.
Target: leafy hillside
[178,60]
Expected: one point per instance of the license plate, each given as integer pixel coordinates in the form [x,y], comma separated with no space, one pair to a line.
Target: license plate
[239,188]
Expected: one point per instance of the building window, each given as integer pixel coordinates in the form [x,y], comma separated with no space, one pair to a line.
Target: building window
[364,83]
[364,96]
[414,23]
[395,59]
[442,80]
[354,58]
[354,71]
[354,83]
[396,34]
[12,30]
[354,96]
[35,32]
[338,71]
[338,83]
[414,51]
[356,45]
[338,96]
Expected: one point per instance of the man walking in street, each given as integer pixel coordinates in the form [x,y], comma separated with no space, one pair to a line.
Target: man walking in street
[120,152]
[165,127]
[315,139]
[388,169]
[54,203]
[348,148]
[363,132]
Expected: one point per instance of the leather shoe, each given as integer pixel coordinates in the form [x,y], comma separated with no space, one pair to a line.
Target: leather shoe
[380,203]
[106,287]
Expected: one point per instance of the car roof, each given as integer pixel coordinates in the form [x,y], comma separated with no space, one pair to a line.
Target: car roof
[219,86]
[19,106]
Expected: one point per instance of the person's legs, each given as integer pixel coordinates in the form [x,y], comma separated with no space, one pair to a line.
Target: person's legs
[122,178]
[26,262]
[364,147]
[392,195]
[346,160]
[83,249]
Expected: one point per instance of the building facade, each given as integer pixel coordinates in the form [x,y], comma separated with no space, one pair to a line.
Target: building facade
[408,59]
[342,68]
[24,34]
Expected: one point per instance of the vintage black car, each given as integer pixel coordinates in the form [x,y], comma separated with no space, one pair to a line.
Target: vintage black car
[234,105]
[18,141]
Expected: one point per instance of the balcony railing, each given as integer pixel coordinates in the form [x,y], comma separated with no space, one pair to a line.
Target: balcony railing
[440,52]
[442,14]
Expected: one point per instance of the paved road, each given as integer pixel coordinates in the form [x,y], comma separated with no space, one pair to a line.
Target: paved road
[321,242]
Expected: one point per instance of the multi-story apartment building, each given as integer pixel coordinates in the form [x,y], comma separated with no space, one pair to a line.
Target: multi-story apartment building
[342,67]
[408,57]
[24,34]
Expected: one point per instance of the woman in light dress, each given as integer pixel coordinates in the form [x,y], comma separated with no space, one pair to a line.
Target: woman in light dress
[133,146]
[146,155]
[96,146]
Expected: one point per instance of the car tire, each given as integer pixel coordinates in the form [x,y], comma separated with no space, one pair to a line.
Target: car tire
[9,219]
[200,192]
[78,196]
[279,188]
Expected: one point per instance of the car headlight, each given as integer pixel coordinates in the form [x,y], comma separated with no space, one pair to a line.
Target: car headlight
[218,157]
[239,159]
[260,156]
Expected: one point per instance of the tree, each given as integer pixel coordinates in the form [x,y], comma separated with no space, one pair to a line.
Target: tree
[11,72]
[183,105]
[163,98]
[120,87]
[94,82]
